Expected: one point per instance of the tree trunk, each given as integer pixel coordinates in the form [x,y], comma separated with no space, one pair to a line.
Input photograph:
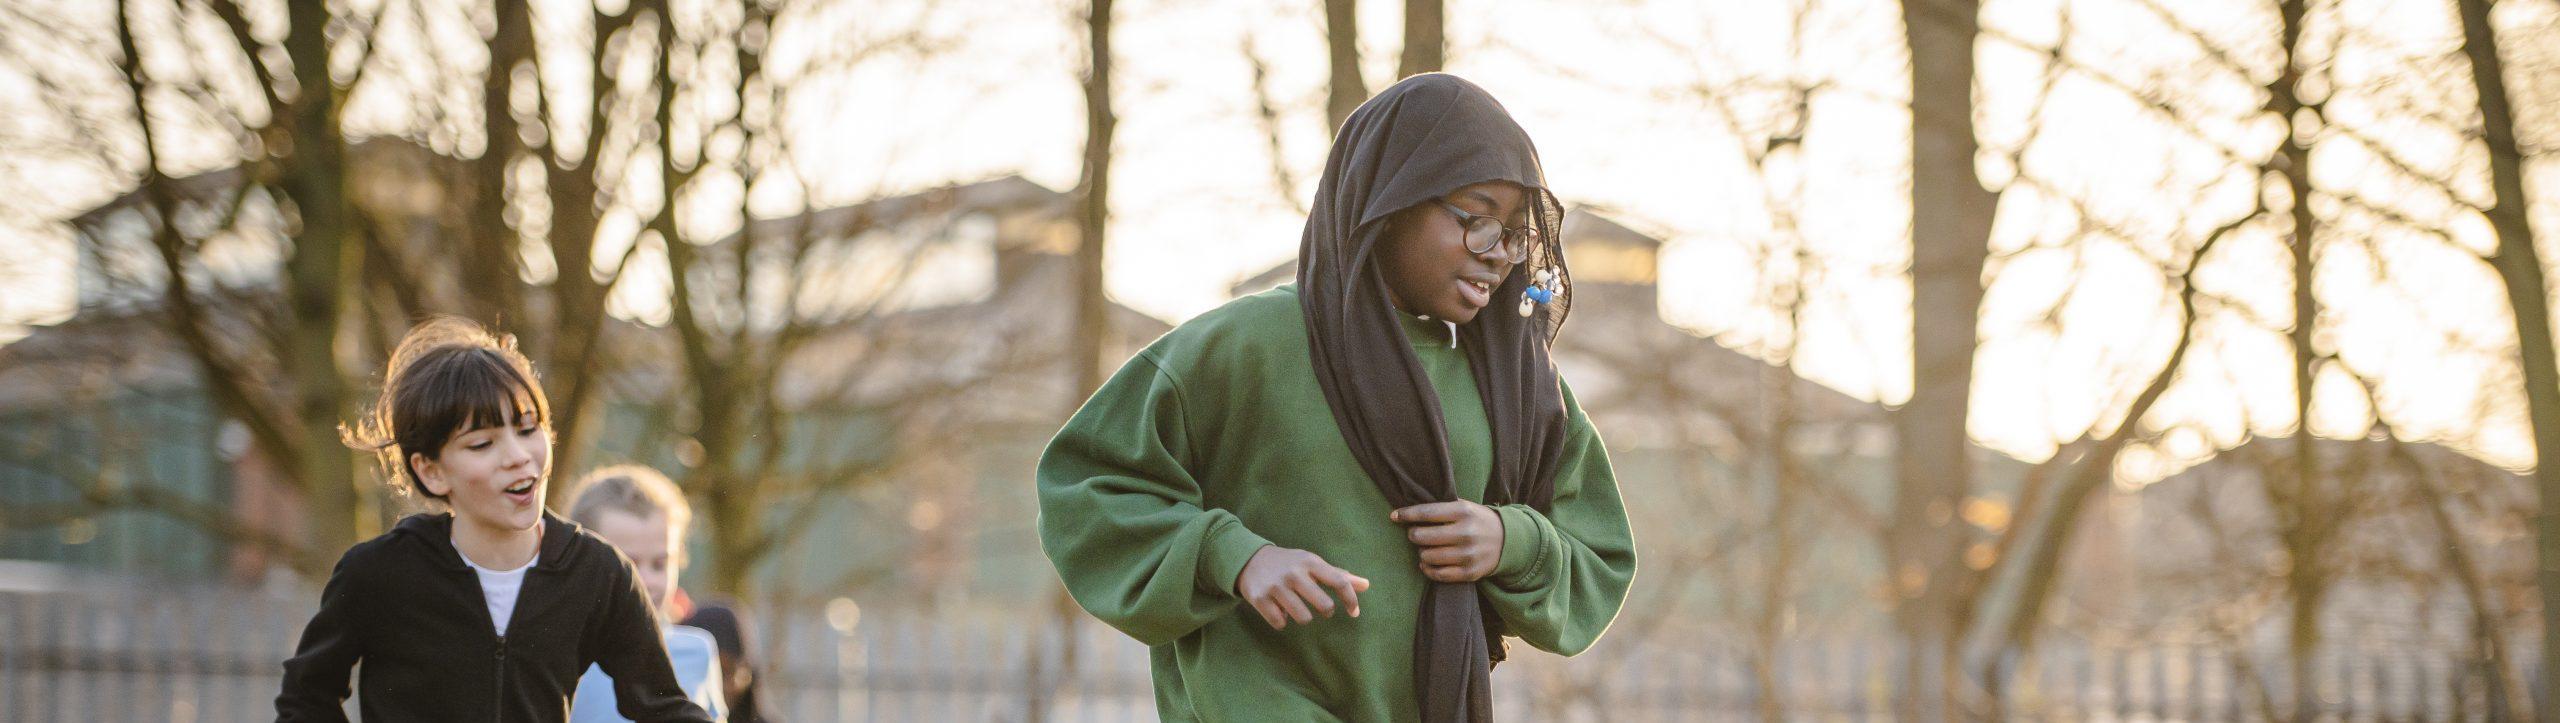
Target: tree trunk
[1787,477]
[2519,266]
[316,284]
[1425,48]
[1346,90]
[710,377]
[2298,509]
[576,364]
[491,292]
[1093,210]
[236,395]
[1950,229]
[1091,340]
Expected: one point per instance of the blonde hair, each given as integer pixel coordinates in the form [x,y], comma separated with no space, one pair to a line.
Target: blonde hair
[631,489]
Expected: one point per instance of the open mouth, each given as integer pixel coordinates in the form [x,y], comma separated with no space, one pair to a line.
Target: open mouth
[522,491]
[1476,293]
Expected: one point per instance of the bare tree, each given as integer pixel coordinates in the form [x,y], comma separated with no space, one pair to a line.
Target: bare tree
[2519,265]
[787,334]
[2010,555]
[576,181]
[291,390]
[285,351]
[1771,143]
[368,242]
[1346,90]
[488,251]
[1951,215]
[2297,497]
[2307,495]
[1087,366]
[1093,205]
[2439,497]
[1266,114]
[1425,48]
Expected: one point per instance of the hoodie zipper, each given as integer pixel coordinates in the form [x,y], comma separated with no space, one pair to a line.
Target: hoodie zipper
[498,701]
[498,681]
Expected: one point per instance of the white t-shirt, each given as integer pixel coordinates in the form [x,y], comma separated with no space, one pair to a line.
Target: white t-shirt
[501,587]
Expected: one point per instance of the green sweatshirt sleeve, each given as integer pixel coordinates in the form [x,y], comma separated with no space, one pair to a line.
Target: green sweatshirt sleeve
[1563,574]
[1121,515]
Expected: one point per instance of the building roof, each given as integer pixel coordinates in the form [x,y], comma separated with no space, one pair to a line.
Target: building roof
[131,344]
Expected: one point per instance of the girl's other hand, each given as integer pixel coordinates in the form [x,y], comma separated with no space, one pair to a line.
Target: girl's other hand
[1461,541]
[1290,585]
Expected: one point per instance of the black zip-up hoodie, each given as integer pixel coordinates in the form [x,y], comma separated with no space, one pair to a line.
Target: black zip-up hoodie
[406,606]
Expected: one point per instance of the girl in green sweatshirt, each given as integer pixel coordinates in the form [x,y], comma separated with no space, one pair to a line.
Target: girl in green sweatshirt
[1332,500]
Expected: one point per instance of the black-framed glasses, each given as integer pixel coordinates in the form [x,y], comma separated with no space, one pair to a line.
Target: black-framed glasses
[1485,231]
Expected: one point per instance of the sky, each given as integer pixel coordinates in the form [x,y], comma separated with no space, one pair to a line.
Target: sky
[1620,97]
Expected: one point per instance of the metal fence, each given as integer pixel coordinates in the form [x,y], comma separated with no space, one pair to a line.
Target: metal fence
[149,652]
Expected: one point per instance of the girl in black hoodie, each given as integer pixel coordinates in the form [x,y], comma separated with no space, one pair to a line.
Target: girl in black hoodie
[489,611]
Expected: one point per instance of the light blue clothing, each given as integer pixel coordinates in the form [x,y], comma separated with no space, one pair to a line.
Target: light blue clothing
[697,663]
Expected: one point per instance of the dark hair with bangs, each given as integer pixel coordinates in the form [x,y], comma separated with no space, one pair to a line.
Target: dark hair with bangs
[448,376]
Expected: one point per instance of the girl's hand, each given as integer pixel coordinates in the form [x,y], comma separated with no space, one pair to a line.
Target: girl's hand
[1285,585]
[1460,540]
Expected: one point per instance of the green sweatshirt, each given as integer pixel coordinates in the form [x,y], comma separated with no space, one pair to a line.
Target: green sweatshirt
[1216,441]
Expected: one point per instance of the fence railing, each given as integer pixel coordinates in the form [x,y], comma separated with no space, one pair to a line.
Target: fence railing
[178,653]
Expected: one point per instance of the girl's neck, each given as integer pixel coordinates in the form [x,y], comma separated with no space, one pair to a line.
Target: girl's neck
[493,548]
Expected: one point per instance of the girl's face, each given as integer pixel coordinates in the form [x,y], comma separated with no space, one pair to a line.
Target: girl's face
[1429,269]
[652,544]
[493,476]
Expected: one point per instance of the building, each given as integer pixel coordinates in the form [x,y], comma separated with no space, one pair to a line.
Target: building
[109,398]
